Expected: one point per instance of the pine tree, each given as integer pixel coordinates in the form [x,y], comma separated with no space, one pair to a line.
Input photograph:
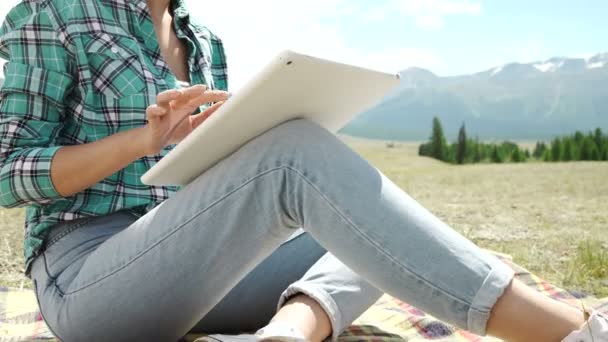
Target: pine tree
[568,149]
[598,137]
[547,155]
[461,148]
[439,148]
[450,156]
[578,138]
[496,156]
[595,153]
[587,148]
[478,155]
[539,150]
[425,150]
[517,156]
[556,149]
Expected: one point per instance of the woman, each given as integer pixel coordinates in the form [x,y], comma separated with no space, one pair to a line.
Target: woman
[93,98]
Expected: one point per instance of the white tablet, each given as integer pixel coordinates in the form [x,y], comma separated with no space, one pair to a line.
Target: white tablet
[291,86]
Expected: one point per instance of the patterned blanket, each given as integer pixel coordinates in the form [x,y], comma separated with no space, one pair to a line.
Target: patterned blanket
[388,320]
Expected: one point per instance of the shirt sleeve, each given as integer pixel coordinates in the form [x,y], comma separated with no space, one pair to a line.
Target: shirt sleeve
[219,65]
[31,105]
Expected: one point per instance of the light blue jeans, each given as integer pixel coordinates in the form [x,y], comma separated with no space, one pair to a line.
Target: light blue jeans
[214,257]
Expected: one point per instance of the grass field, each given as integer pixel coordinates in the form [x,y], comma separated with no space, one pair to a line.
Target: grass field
[552,217]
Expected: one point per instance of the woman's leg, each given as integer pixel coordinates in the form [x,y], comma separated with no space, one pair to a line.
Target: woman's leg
[155,279]
[253,301]
[304,267]
[522,314]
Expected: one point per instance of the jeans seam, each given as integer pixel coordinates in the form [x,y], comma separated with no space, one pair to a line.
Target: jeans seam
[379,247]
[63,234]
[38,301]
[52,278]
[257,176]
[174,230]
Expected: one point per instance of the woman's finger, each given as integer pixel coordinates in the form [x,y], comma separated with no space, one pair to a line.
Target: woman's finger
[217,95]
[193,104]
[164,99]
[190,93]
[209,96]
[155,112]
[195,90]
[200,118]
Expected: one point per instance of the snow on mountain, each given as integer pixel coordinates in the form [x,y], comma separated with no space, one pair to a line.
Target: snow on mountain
[497,70]
[418,77]
[596,65]
[597,61]
[512,71]
[553,65]
[546,67]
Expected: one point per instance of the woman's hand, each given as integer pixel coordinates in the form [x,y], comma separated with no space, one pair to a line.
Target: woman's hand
[170,120]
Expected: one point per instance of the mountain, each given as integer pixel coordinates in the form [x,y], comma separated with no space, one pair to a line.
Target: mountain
[512,101]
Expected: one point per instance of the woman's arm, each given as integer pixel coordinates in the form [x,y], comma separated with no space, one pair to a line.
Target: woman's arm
[38,81]
[76,168]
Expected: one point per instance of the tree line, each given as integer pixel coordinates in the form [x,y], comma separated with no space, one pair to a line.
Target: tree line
[579,146]
[591,146]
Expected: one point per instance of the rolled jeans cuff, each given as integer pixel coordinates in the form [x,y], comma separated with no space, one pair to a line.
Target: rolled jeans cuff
[320,296]
[491,290]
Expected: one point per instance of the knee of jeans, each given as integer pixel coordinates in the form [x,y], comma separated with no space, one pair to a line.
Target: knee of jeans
[299,140]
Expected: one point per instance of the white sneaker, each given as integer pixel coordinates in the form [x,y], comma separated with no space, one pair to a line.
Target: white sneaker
[273,332]
[227,338]
[248,338]
[595,330]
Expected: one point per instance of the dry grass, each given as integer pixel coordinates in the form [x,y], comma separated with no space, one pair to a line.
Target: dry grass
[552,217]
[11,248]
[538,212]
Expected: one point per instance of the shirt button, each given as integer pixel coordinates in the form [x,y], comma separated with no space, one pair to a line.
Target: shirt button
[114,50]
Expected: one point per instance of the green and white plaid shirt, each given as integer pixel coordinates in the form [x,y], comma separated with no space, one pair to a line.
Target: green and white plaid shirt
[79,71]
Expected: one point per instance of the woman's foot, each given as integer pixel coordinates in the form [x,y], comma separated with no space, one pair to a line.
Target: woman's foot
[594,330]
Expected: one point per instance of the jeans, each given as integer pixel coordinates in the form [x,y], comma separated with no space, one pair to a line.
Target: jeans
[216,257]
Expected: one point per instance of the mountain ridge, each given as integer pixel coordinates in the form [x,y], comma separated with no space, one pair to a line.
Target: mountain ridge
[540,99]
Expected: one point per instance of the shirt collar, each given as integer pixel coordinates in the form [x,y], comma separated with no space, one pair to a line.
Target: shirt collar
[181,14]
[180,10]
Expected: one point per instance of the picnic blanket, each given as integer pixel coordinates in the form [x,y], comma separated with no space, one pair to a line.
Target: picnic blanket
[387,320]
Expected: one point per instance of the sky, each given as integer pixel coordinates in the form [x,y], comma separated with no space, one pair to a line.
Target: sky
[448,37]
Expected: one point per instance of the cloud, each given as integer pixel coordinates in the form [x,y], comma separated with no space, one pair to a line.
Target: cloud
[425,14]
[255,31]
[430,14]
[398,59]
[526,50]
[439,8]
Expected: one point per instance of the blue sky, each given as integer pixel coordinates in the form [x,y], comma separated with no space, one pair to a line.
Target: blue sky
[503,31]
[446,36]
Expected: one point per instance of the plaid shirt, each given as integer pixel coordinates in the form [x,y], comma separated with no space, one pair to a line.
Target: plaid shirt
[80,71]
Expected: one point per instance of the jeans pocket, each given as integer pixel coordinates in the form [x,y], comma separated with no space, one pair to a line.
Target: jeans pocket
[70,244]
[62,230]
